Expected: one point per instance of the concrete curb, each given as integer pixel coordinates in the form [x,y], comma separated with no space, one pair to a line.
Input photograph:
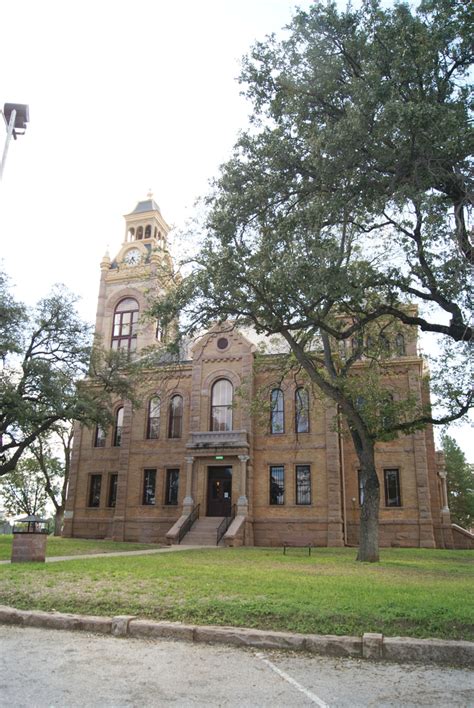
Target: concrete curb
[372,646]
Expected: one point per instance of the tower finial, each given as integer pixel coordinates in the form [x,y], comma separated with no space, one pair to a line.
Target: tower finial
[150,194]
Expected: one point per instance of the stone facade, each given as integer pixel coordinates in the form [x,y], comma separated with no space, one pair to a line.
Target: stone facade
[137,481]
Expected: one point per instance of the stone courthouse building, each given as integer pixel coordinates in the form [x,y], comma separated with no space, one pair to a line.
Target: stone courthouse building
[197,462]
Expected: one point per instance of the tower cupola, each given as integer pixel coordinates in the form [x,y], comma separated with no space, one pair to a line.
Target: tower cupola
[145,223]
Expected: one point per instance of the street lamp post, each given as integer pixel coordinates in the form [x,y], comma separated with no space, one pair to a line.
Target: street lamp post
[16,117]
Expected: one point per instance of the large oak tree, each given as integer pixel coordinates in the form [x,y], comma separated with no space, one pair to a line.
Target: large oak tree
[346,200]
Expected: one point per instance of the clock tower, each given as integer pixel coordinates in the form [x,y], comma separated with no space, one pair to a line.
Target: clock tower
[140,270]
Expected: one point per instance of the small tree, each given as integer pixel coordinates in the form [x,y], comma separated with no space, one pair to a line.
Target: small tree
[23,491]
[460,482]
[52,453]
[45,353]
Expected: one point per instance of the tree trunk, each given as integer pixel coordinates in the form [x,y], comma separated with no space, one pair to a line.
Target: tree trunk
[58,521]
[369,512]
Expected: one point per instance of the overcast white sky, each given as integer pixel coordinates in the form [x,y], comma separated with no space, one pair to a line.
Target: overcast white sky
[124,97]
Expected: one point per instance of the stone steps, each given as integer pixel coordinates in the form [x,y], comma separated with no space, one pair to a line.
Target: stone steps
[203,532]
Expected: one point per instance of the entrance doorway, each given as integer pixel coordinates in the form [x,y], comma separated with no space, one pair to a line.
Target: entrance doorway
[219,491]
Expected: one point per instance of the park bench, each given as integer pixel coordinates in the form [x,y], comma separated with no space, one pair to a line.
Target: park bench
[298,543]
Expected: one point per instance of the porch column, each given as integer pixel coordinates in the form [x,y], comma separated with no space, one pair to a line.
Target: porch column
[445,514]
[188,502]
[444,491]
[243,502]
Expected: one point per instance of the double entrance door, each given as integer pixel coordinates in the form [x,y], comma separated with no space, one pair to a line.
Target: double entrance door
[219,491]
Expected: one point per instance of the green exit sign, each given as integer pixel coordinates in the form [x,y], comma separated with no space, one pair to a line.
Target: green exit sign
[219,457]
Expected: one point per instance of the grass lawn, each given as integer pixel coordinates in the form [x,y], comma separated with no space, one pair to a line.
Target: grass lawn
[411,592]
[58,546]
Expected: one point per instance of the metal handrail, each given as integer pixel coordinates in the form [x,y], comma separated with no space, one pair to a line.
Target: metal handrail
[225,523]
[188,523]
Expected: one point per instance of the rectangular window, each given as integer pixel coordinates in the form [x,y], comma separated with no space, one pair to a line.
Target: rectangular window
[149,487]
[361,487]
[112,496]
[94,489]
[303,484]
[277,484]
[392,487]
[172,487]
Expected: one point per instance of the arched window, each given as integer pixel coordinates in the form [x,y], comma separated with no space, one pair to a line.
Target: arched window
[124,335]
[277,412]
[387,410]
[400,345]
[384,345]
[99,437]
[357,344]
[131,233]
[301,411]
[153,421]
[118,427]
[175,420]
[159,332]
[140,233]
[148,231]
[221,405]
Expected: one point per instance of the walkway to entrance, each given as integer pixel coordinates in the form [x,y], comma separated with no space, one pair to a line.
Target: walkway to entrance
[165,549]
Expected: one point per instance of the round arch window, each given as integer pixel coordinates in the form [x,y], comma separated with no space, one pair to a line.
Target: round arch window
[221,405]
[124,334]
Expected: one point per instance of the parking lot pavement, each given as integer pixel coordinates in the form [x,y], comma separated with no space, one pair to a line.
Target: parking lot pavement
[40,667]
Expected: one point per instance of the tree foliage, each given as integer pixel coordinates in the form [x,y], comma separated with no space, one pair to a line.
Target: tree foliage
[346,200]
[23,490]
[46,351]
[363,119]
[460,482]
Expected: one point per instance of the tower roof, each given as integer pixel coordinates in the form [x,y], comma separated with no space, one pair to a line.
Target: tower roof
[147,204]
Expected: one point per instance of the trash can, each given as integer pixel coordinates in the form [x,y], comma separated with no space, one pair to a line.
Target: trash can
[29,540]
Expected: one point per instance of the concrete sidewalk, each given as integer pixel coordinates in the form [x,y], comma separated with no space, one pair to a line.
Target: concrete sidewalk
[165,549]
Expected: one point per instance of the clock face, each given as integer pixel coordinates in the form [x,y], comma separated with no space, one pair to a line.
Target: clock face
[132,257]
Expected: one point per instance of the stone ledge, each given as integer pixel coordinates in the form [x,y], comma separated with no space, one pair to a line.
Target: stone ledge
[146,629]
[249,638]
[440,651]
[333,645]
[55,620]
[371,646]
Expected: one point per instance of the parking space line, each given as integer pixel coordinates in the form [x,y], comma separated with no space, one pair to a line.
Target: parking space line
[312,696]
